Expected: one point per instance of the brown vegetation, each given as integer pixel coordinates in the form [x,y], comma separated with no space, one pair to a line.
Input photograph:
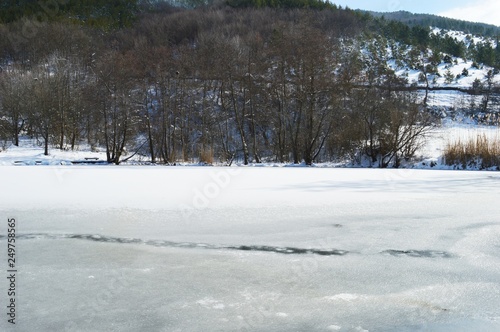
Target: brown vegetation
[479,152]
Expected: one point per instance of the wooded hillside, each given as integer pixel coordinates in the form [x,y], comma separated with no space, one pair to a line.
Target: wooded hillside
[216,83]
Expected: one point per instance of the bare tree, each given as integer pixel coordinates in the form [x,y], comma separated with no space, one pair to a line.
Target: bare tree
[118,114]
[13,90]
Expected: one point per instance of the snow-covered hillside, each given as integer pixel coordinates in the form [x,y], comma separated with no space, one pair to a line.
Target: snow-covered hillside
[462,36]
[455,65]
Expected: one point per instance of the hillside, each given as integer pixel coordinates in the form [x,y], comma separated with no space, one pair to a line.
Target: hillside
[101,13]
[249,82]
[427,20]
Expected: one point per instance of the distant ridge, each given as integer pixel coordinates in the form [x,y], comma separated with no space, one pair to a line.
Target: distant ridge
[426,20]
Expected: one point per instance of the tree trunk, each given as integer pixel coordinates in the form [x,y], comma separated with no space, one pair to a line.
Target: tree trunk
[46,141]
[151,142]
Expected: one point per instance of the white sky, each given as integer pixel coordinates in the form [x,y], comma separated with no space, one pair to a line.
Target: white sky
[486,11]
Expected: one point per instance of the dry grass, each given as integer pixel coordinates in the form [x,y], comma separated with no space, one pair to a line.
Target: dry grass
[480,152]
[207,156]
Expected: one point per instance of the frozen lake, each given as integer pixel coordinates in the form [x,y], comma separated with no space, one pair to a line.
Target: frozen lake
[252,249]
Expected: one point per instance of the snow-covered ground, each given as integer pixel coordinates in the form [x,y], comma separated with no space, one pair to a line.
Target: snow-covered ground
[451,132]
[29,153]
[135,248]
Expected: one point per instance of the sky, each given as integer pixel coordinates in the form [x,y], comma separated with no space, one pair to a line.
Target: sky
[485,11]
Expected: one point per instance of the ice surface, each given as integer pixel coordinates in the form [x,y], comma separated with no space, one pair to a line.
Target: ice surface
[253,249]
